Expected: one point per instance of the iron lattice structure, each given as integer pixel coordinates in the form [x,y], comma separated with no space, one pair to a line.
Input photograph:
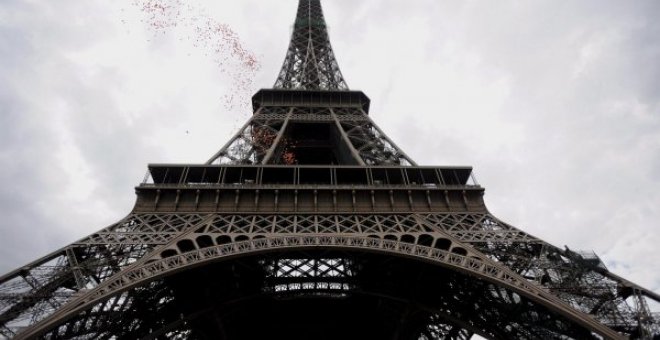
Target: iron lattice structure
[311,223]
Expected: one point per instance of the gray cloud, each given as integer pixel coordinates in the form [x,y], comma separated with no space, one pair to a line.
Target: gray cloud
[556,106]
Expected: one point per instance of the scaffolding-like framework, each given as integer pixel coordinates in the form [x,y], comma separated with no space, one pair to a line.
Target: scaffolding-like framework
[311,223]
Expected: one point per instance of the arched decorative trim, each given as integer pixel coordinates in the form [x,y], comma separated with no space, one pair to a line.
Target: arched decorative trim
[481,268]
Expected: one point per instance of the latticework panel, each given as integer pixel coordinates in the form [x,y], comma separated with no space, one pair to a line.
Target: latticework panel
[310,63]
[582,282]
[583,285]
[40,289]
[253,141]
[374,147]
[267,137]
[415,300]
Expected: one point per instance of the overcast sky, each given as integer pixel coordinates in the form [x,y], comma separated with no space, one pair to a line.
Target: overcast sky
[555,104]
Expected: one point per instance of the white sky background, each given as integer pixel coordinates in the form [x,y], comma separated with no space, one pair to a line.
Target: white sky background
[555,104]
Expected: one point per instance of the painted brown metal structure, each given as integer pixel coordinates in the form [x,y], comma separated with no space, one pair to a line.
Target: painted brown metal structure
[311,223]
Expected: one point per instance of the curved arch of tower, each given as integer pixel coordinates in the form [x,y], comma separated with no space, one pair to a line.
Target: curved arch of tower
[311,223]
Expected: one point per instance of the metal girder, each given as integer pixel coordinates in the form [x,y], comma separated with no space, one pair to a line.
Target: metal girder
[524,254]
[251,143]
[374,147]
[386,231]
[207,247]
[456,256]
[310,63]
[262,138]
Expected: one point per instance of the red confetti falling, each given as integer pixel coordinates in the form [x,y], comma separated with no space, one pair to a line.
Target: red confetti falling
[216,40]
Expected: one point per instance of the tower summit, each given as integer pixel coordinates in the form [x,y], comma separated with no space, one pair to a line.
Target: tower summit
[310,117]
[310,223]
[309,63]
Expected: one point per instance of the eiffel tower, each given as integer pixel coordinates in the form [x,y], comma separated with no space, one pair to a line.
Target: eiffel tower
[310,223]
